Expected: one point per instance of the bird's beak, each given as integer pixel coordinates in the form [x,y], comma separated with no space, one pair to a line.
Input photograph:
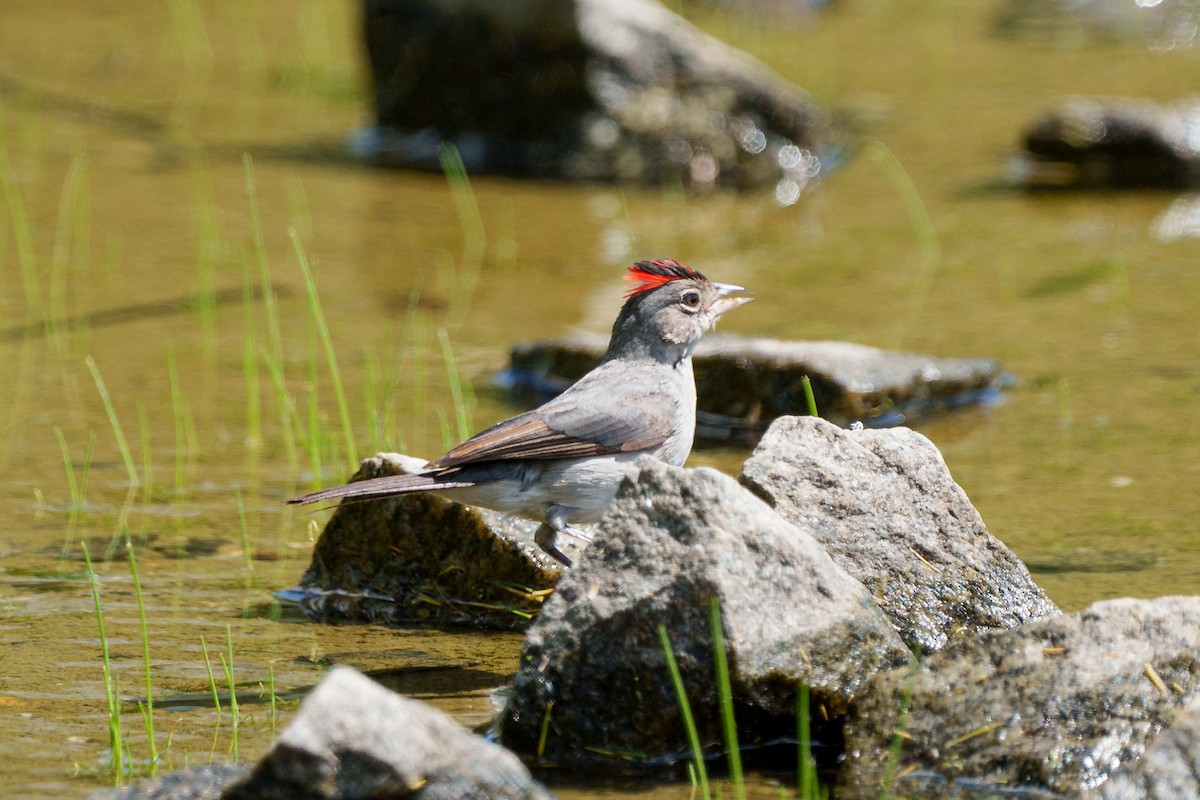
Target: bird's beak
[724,302]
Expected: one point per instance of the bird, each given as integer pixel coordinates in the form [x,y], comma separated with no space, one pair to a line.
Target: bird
[562,462]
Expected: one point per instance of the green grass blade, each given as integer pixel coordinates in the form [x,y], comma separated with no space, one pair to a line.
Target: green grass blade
[810,400]
[72,486]
[923,226]
[335,375]
[234,716]
[126,456]
[806,772]
[725,693]
[458,388]
[148,708]
[685,708]
[274,337]
[21,228]
[115,739]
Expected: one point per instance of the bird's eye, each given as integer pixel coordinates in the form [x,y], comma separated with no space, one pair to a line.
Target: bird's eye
[691,299]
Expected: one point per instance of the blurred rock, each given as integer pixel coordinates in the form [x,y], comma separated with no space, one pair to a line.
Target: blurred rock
[593,662]
[422,558]
[1110,142]
[1156,24]
[583,90]
[743,383]
[883,504]
[354,740]
[206,782]
[1048,709]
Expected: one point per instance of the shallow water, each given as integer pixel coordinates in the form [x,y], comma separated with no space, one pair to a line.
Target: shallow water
[125,129]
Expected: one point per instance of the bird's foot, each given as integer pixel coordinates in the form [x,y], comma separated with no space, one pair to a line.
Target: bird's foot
[546,536]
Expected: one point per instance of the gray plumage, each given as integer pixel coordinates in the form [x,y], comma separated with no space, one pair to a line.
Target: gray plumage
[563,461]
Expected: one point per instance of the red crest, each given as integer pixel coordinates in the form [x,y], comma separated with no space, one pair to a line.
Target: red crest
[652,274]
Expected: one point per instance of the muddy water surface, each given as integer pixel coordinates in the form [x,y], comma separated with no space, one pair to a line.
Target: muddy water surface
[125,129]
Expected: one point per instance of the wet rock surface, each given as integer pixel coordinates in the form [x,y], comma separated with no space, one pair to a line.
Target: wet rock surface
[1111,142]
[422,558]
[1055,706]
[885,507]
[1170,767]
[353,739]
[743,383]
[583,90]
[199,783]
[593,662]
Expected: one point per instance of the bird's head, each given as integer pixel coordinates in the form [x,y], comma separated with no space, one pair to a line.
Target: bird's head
[669,309]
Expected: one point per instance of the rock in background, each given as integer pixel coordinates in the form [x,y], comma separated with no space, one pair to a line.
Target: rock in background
[1055,706]
[1111,142]
[422,558]
[1157,24]
[582,90]
[743,383]
[884,505]
[593,667]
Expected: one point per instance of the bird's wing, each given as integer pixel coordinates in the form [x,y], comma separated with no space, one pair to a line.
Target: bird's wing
[586,420]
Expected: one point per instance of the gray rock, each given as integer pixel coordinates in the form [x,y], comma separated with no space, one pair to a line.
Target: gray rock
[884,505]
[674,539]
[1110,142]
[422,558]
[1158,24]
[1169,769]
[199,783]
[582,90]
[743,383]
[1055,706]
[352,739]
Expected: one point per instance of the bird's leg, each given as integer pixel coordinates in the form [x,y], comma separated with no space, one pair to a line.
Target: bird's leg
[556,523]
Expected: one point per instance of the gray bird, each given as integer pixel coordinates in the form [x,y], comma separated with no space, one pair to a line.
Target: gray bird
[563,461]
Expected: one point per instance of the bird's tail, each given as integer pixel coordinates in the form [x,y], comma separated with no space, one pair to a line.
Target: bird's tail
[385,486]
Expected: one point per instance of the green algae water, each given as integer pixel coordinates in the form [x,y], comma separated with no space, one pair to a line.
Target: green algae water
[165,167]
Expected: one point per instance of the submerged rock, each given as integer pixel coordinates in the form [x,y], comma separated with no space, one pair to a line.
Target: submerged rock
[582,90]
[207,782]
[354,740]
[743,383]
[1055,706]
[1110,142]
[593,672]
[423,558]
[885,507]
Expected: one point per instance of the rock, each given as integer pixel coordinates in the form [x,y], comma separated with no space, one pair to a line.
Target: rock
[199,783]
[1156,24]
[885,507]
[593,662]
[422,558]
[744,383]
[1091,142]
[1170,767]
[1054,706]
[353,739]
[582,90]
